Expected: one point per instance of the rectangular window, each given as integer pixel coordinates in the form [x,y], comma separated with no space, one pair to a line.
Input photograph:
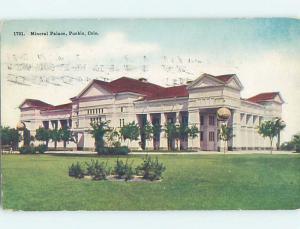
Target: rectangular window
[102,110]
[201,136]
[201,120]
[88,111]
[211,120]
[123,122]
[211,136]
[122,109]
[120,122]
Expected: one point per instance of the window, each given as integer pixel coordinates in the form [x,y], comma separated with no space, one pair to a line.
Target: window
[201,120]
[88,111]
[122,109]
[211,136]
[102,110]
[211,120]
[122,122]
[201,136]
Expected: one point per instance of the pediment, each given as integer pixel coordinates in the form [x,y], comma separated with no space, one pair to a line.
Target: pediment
[25,105]
[94,90]
[278,99]
[234,83]
[205,80]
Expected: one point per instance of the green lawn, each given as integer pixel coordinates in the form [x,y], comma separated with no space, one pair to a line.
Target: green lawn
[41,182]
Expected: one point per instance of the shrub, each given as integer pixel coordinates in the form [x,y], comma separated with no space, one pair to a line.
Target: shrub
[76,170]
[27,150]
[123,170]
[122,150]
[287,146]
[150,169]
[97,170]
[41,148]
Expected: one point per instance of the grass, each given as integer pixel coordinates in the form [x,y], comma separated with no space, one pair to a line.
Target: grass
[191,182]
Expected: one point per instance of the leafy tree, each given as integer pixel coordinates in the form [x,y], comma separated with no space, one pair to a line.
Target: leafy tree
[171,132]
[193,132]
[280,125]
[26,137]
[182,132]
[113,136]
[296,142]
[55,136]
[148,132]
[156,133]
[66,135]
[270,129]
[43,134]
[98,131]
[10,136]
[225,134]
[130,131]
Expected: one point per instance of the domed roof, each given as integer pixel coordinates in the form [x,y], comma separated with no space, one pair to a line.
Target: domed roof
[223,113]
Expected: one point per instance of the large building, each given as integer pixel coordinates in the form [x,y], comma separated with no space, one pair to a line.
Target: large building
[125,100]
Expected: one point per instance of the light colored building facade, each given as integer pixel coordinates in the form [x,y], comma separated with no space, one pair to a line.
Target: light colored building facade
[125,100]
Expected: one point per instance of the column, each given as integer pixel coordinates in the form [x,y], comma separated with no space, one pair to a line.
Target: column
[194,119]
[149,142]
[236,141]
[163,139]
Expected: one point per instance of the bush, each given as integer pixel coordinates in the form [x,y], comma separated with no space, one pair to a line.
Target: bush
[97,170]
[27,150]
[123,170]
[122,150]
[76,170]
[151,169]
[41,148]
[287,146]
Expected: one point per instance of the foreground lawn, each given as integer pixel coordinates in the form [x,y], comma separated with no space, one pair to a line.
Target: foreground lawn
[191,182]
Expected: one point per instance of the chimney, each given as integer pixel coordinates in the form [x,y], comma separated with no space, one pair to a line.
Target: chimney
[142,79]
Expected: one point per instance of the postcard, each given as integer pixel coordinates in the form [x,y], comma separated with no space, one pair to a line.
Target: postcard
[150,114]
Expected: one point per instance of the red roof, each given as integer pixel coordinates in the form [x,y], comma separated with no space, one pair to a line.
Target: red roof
[169,92]
[35,103]
[150,91]
[224,78]
[263,97]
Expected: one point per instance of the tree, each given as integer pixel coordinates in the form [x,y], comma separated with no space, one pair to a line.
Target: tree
[113,136]
[10,136]
[170,130]
[280,125]
[296,142]
[66,135]
[270,129]
[193,132]
[98,131]
[43,134]
[156,134]
[55,136]
[225,134]
[148,132]
[26,137]
[182,133]
[130,131]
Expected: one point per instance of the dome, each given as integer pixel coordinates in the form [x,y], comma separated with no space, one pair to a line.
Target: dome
[21,126]
[223,114]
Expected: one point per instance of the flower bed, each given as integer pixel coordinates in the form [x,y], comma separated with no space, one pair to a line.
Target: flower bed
[149,170]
